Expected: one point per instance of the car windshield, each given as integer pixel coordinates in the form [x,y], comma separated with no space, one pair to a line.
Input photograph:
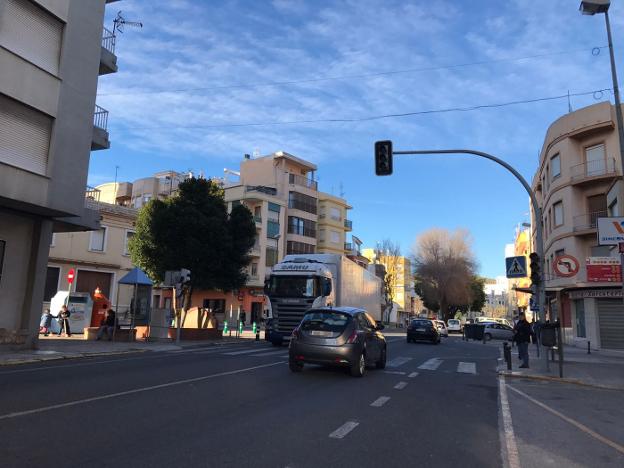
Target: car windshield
[324,320]
[293,286]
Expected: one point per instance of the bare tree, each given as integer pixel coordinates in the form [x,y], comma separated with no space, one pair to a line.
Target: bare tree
[444,267]
[388,254]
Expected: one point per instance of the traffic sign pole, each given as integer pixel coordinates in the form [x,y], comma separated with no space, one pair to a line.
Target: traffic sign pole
[71,274]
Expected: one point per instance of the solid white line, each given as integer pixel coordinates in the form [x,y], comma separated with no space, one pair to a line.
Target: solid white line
[382,400]
[131,392]
[431,364]
[576,424]
[509,437]
[394,372]
[343,430]
[413,374]
[400,385]
[270,353]
[467,367]
[247,351]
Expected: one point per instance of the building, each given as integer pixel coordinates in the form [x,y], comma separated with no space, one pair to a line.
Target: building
[136,194]
[518,288]
[496,298]
[333,225]
[576,183]
[51,54]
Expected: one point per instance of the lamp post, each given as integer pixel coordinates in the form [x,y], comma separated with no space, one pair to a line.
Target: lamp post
[592,7]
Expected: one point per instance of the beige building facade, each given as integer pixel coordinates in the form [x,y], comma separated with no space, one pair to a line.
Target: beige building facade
[579,167]
[333,225]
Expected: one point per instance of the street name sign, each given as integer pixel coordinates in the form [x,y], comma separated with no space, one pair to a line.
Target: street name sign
[610,231]
[516,267]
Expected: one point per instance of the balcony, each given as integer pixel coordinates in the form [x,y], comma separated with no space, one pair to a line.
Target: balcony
[302,181]
[100,139]
[348,247]
[348,224]
[255,250]
[91,193]
[588,222]
[307,232]
[108,59]
[593,170]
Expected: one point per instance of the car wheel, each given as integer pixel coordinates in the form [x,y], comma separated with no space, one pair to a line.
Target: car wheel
[487,337]
[295,366]
[359,366]
[381,364]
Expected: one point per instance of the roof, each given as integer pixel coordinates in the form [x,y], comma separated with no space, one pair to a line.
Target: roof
[346,310]
[136,276]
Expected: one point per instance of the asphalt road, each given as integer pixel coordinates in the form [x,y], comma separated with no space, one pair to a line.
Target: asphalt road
[239,405]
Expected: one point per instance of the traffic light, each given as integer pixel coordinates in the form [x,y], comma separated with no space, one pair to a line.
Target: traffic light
[536,273]
[383,157]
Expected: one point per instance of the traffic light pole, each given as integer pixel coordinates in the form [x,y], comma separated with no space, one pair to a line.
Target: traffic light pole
[539,248]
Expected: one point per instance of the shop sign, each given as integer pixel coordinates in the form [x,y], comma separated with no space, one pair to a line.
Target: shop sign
[595,293]
[604,269]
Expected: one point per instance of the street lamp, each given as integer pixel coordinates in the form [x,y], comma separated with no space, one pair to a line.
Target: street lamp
[591,7]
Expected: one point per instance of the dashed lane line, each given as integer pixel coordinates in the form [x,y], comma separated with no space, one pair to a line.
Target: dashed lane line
[343,430]
[400,386]
[413,374]
[394,372]
[379,402]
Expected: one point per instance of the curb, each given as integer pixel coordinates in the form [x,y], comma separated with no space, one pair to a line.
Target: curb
[17,362]
[546,378]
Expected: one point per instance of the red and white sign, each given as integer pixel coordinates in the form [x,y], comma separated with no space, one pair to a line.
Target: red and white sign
[604,270]
[70,276]
[566,266]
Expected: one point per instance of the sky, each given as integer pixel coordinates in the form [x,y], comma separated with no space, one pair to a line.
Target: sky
[206,81]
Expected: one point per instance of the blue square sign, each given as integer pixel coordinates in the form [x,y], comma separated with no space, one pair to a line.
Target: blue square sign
[516,267]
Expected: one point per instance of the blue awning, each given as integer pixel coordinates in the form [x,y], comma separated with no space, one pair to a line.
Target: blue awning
[136,276]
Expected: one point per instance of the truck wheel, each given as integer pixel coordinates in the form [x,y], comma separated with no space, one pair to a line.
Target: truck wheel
[358,367]
[381,364]
[295,366]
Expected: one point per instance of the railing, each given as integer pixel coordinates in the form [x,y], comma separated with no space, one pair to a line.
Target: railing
[348,246]
[108,40]
[307,232]
[303,206]
[91,193]
[588,220]
[303,181]
[348,224]
[596,168]
[100,118]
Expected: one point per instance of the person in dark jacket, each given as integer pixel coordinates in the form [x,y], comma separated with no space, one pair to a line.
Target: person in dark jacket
[522,336]
[107,326]
[63,319]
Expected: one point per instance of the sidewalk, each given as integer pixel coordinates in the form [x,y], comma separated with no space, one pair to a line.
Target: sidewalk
[54,348]
[603,369]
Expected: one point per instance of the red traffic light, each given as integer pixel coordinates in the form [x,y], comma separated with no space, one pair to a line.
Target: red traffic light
[70,276]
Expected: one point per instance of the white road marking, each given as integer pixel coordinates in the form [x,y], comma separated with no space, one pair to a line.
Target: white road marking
[382,400]
[510,447]
[578,425]
[413,374]
[394,372]
[398,361]
[108,396]
[400,385]
[246,351]
[343,430]
[271,353]
[214,351]
[467,367]
[431,364]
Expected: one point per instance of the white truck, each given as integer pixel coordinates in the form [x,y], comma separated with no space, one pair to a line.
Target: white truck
[302,282]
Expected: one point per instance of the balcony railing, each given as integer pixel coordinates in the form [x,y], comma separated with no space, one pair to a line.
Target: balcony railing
[303,181]
[91,193]
[348,224]
[307,232]
[100,118]
[108,40]
[348,246]
[302,205]
[588,220]
[596,168]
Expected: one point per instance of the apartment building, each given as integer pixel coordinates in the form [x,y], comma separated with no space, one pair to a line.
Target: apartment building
[576,183]
[333,225]
[136,194]
[51,54]
[519,288]
[497,303]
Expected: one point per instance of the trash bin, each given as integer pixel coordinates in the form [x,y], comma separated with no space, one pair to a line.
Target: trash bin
[548,335]
[474,331]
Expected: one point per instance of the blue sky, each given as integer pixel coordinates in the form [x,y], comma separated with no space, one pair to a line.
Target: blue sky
[227,54]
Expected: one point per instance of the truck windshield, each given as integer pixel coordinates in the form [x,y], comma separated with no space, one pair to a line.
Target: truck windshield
[294,286]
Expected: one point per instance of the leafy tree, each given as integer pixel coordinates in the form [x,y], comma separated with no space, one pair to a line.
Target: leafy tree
[194,231]
[388,254]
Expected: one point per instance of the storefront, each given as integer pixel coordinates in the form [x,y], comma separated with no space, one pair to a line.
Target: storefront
[597,316]
[248,303]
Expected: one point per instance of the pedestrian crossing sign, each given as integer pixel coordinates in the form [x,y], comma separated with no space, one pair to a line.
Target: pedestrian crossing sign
[516,267]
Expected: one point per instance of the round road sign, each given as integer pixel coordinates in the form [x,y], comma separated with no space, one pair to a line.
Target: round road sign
[70,276]
[566,266]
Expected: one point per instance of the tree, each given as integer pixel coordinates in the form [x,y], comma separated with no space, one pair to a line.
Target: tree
[388,254]
[476,297]
[194,231]
[444,269]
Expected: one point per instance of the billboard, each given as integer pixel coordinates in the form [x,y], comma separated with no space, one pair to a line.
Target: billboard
[604,269]
[610,231]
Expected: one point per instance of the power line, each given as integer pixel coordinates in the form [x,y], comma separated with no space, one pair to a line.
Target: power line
[595,51]
[598,93]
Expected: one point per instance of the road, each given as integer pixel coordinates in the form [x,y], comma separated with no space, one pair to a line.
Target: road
[238,405]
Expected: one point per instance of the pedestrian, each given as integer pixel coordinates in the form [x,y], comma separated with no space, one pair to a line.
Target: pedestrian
[522,337]
[107,326]
[46,321]
[63,319]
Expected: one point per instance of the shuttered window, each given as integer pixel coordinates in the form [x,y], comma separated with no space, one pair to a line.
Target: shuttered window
[24,136]
[32,33]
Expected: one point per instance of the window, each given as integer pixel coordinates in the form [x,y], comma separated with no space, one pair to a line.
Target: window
[129,235]
[299,201]
[334,213]
[51,284]
[579,306]
[217,306]
[334,237]
[273,229]
[558,213]
[97,242]
[555,164]
[2,249]
[547,174]
[271,256]
[274,207]
[146,198]
[254,269]
[322,235]
[302,227]
[595,160]
[293,247]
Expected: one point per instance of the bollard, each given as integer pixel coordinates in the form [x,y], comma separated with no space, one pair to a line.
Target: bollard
[240,329]
[507,354]
[225,328]
[588,347]
[253,328]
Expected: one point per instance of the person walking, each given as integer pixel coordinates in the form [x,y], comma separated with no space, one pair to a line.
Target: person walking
[63,319]
[522,337]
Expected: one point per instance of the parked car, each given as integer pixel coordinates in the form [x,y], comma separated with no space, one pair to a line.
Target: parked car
[497,331]
[455,326]
[339,336]
[442,327]
[423,330]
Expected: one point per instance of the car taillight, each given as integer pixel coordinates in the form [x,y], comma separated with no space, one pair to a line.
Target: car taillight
[296,333]
[353,338]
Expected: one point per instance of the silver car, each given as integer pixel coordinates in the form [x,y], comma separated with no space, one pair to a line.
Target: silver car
[497,331]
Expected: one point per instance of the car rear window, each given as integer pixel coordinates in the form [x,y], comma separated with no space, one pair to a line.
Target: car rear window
[325,321]
[453,322]
[421,323]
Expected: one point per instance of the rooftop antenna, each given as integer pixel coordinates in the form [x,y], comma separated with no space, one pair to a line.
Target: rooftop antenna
[569,104]
[342,193]
[119,22]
